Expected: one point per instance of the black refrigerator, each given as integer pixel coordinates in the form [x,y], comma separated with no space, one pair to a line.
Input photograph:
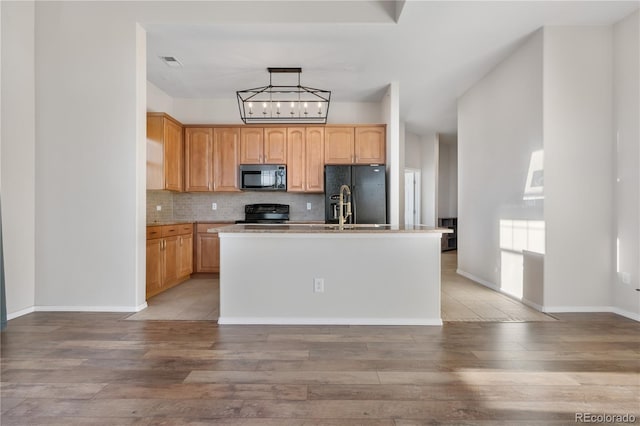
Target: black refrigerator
[368,192]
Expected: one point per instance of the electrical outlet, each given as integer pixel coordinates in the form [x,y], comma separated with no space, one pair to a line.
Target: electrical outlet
[158,208]
[214,206]
[308,206]
[318,285]
[625,277]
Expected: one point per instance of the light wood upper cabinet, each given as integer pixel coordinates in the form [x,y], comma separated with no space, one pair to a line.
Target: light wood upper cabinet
[251,145]
[198,159]
[263,145]
[370,147]
[275,145]
[226,159]
[355,145]
[315,159]
[296,159]
[305,155]
[339,145]
[164,152]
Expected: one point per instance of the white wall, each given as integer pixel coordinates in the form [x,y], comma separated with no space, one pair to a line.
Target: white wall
[429,185]
[390,109]
[448,176]
[499,127]
[578,167]
[18,153]
[626,95]
[421,152]
[88,212]
[412,151]
[158,100]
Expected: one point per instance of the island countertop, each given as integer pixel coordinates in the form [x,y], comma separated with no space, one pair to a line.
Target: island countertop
[327,229]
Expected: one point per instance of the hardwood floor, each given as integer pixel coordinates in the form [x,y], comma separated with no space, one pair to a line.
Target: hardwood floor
[99,369]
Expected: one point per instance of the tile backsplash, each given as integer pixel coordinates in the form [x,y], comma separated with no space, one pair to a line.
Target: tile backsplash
[164,199]
[230,206]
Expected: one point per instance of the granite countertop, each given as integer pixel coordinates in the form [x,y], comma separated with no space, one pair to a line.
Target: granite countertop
[169,222]
[314,228]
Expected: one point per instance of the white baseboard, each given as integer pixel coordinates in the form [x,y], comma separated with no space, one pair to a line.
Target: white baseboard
[592,309]
[20,313]
[479,280]
[327,321]
[90,308]
[533,305]
[626,314]
[553,309]
[31,309]
[576,309]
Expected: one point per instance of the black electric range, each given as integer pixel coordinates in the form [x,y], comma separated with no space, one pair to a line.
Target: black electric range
[265,213]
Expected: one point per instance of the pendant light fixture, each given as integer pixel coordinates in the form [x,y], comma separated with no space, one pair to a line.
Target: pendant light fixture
[291,103]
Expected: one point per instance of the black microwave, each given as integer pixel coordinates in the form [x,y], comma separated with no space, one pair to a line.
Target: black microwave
[263,177]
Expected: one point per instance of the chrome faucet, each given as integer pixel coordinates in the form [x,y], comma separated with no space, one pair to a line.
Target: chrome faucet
[344,216]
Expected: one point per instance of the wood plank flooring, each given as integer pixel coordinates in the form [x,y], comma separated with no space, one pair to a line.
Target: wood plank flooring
[100,369]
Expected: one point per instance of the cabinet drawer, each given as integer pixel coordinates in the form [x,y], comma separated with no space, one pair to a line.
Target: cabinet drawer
[185,228]
[169,230]
[202,227]
[154,232]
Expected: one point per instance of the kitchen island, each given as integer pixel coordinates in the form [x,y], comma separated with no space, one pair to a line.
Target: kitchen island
[327,274]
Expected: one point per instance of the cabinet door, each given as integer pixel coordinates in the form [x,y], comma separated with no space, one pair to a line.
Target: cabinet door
[185,255]
[275,145]
[198,159]
[155,152]
[155,266]
[338,145]
[173,162]
[226,153]
[370,145]
[296,159]
[251,145]
[314,168]
[170,258]
[207,252]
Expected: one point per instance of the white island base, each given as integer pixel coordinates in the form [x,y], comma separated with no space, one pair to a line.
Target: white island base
[368,278]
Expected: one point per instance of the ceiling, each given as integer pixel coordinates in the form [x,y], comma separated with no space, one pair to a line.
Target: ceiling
[435,50]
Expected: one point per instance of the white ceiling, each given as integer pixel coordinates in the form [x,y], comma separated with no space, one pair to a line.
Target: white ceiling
[436,51]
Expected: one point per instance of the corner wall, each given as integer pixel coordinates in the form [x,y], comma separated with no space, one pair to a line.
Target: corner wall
[448,176]
[18,141]
[578,168]
[499,129]
[626,100]
[87,158]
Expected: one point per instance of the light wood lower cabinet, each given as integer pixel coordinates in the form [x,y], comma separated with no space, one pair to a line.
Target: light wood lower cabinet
[169,256]
[207,248]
